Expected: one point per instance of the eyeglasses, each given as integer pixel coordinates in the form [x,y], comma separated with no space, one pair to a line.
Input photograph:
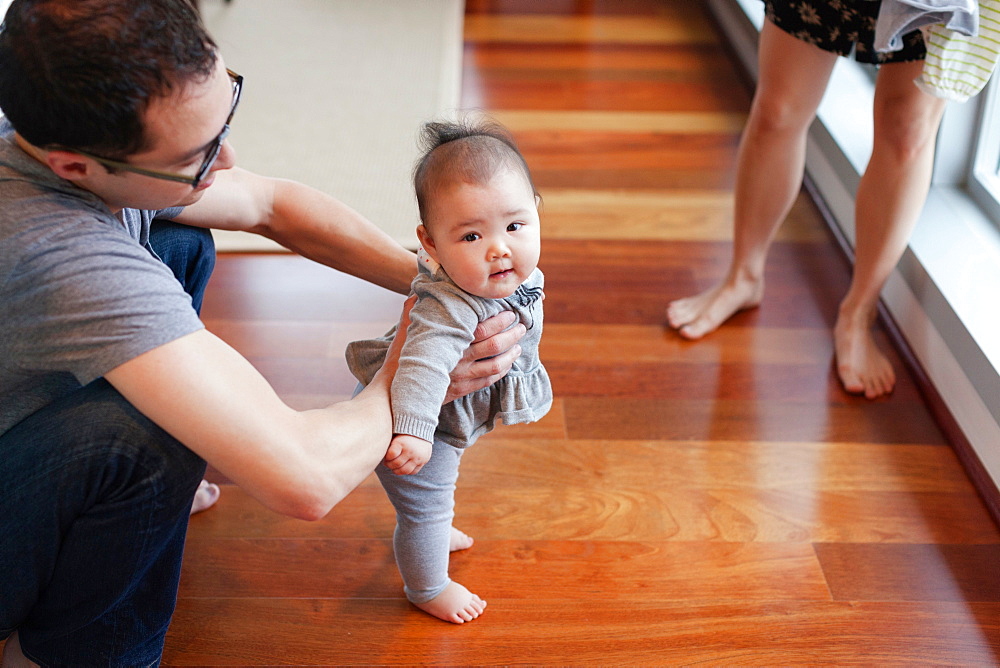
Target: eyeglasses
[210,157]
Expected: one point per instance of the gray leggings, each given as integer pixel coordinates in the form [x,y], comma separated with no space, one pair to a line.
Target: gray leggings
[425,507]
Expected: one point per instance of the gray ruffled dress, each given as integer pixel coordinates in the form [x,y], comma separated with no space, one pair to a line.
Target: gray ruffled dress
[442,325]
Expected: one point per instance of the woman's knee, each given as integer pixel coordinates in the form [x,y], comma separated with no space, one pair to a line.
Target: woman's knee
[906,123]
[778,117]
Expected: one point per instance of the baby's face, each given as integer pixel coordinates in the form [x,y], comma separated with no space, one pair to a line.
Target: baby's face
[487,237]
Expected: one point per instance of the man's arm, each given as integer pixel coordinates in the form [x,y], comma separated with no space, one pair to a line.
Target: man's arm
[306,221]
[298,463]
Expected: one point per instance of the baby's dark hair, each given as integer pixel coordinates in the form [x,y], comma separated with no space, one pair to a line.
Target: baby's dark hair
[473,151]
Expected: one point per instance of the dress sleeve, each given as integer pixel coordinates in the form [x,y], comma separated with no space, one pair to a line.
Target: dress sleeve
[442,325]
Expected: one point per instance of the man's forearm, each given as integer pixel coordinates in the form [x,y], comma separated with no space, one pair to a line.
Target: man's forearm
[207,396]
[328,231]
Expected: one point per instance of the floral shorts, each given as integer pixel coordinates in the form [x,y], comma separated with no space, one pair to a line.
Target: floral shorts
[839,26]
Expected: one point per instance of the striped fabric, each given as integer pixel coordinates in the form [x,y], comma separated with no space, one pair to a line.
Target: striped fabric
[957,67]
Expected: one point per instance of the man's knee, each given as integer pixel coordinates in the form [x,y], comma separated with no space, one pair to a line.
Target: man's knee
[95,434]
[188,251]
[147,454]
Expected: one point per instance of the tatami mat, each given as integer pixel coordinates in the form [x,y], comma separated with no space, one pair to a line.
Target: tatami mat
[335,94]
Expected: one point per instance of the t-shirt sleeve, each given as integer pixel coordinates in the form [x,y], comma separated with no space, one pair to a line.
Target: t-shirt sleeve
[88,298]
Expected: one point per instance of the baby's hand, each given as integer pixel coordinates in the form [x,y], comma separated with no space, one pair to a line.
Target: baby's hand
[407,454]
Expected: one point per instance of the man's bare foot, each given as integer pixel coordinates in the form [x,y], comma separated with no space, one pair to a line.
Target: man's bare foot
[694,317]
[455,604]
[205,497]
[12,655]
[459,540]
[862,367]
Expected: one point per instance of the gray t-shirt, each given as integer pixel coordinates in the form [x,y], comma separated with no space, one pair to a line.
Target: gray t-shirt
[80,290]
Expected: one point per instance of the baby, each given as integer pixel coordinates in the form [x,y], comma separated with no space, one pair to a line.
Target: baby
[481,242]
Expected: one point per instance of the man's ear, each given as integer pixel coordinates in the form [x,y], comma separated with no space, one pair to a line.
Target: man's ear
[427,242]
[70,166]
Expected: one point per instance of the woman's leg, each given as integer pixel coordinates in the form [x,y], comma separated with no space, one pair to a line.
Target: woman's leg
[424,536]
[890,197]
[770,163]
[95,507]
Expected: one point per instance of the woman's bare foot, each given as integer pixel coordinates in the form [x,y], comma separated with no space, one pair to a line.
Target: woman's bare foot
[455,604]
[862,367]
[459,540]
[205,497]
[694,317]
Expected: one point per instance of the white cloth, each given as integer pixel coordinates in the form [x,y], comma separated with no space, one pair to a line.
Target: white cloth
[957,66]
[898,17]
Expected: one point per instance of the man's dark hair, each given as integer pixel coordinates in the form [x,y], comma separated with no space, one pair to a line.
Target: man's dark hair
[81,73]
[470,150]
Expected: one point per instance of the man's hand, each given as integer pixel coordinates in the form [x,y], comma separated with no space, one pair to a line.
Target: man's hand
[490,356]
[407,454]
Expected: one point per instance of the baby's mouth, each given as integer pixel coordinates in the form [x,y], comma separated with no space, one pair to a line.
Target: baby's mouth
[502,273]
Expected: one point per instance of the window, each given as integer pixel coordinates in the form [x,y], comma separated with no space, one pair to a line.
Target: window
[984,172]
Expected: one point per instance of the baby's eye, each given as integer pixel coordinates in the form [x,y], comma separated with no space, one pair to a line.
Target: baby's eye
[514,227]
[471,236]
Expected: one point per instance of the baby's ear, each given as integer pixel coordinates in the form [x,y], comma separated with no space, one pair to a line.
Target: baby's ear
[427,242]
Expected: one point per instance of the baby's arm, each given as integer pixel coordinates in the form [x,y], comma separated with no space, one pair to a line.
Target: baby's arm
[407,454]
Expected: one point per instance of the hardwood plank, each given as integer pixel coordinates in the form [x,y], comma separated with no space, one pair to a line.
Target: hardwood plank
[542,631]
[929,572]
[510,569]
[572,7]
[479,60]
[610,94]
[635,344]
[663,215]
[684,28]
[659,178]
[678,122]
[842,467]
[560,149]
[792,383]
[742,516]
[727,420]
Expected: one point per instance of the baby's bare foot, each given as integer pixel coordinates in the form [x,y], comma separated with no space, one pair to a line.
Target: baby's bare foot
[862,367]
[694,317]
[455,604]
[459,540]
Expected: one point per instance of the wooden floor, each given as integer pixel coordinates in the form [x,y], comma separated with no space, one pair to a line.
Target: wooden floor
[720,502]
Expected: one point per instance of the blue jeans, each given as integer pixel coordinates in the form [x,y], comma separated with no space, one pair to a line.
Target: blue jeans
[94,510]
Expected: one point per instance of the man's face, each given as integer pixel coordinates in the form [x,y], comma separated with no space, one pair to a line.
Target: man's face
[182,128]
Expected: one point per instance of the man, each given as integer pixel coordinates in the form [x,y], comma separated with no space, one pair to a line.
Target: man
[112,394]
